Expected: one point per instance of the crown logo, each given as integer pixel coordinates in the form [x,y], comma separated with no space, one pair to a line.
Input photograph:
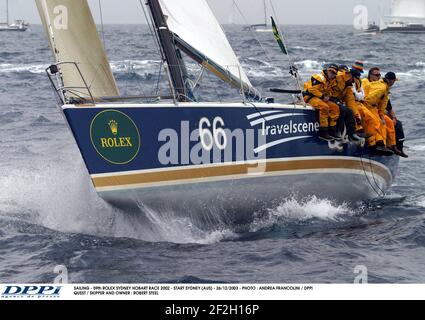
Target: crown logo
[113,125]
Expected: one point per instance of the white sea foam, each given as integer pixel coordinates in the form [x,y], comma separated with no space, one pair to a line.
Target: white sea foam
[264,72]
[294,210]
[167,226]
[304,48]
[133,65]
[18,68]
[414,147]
[310,65]
[419,201]
[62,198]
[116,66]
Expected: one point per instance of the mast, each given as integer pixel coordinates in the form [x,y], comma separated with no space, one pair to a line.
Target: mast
[169,50]
[7,12]
[265,13]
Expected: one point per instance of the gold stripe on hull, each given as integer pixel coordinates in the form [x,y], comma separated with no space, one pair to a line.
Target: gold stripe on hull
[225,172]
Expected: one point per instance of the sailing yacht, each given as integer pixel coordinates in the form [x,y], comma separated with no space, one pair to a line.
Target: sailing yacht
[186,156]
[17,25]
[262,27]
[407,16]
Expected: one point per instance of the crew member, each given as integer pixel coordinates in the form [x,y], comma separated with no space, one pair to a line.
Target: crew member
[393,133]
[391,121]
[341,92]
[316,93]
[377,97]
[370,123]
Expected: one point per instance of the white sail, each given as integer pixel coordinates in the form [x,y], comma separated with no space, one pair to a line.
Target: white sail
[193,22]
[408,8]
[74,38]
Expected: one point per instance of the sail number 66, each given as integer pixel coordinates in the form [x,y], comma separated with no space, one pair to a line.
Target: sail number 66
[217,136]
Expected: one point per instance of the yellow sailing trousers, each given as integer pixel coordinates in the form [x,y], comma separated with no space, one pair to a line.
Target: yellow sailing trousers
[328,111]
[348,98]
[389,124]
[372,125]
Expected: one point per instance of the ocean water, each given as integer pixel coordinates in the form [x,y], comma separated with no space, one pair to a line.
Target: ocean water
[50,214]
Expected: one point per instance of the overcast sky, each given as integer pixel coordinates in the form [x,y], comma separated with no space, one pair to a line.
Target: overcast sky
[287,11]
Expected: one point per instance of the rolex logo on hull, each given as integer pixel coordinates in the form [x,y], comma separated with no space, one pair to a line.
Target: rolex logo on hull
[115,137]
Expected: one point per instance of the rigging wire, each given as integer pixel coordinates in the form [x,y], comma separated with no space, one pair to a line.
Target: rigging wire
[159,78]
[374,180]
[382,194]
[251,31]
[158,47]
[154,35]
[293,68]
[101,23]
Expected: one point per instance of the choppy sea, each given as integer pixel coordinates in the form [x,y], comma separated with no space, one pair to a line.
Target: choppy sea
[50,215]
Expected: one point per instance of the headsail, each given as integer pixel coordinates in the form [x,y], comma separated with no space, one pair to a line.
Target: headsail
[74,38]
[408,9]
[199,34]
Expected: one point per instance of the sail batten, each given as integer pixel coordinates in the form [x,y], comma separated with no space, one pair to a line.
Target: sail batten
[73,37]
[200,35]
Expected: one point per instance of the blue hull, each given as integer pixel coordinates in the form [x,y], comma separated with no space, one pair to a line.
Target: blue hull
[233,156]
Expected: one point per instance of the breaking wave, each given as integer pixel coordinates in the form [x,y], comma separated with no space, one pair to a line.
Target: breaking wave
[304,48]
[20,68]
[129,66]
[310,65]
[125,66]
[51,197]
[300,211]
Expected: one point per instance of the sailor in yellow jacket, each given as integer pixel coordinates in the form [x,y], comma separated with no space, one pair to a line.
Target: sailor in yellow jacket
[341,91]
[377,97]
[317,94]
[370,123]
[394,127]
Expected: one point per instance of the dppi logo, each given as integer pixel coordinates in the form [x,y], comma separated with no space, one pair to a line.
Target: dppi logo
[31,291]
[115,137]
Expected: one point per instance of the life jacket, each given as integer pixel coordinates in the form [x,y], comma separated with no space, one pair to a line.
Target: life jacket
[339,85]
[317,86]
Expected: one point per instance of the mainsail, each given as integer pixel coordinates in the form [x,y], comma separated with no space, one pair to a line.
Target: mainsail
[198,33]
[408,9]
[73,37]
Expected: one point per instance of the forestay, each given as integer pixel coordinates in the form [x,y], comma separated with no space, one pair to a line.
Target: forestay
[74,38]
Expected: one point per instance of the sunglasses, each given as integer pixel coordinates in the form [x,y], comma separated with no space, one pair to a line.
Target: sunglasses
[376,74]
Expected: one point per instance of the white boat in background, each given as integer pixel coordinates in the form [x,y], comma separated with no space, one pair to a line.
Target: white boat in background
[372,28]
[262,27]
[17,25]
[407,16]
[186,156]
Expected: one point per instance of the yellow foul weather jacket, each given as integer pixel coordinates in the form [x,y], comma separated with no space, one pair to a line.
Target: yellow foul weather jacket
[377,96]
[317,86]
